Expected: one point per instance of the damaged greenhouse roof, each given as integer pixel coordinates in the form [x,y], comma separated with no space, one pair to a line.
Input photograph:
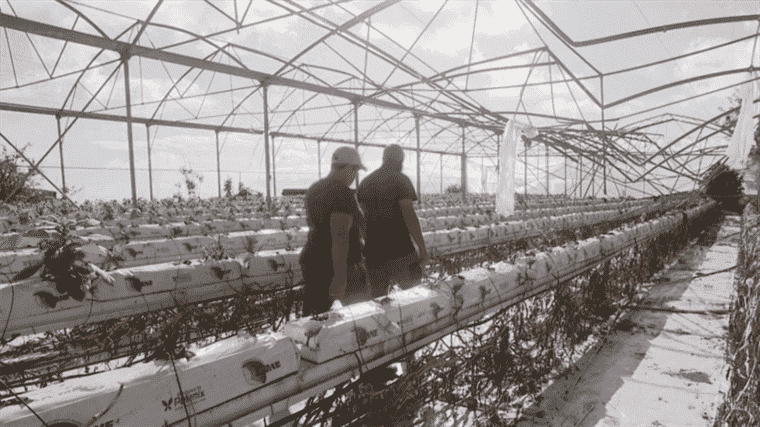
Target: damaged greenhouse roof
[635,89]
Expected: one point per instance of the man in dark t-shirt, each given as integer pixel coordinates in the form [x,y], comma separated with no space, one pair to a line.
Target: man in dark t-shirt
[330,259]
[386,197]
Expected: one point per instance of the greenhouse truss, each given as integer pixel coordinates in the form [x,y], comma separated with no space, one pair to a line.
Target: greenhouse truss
[626,100]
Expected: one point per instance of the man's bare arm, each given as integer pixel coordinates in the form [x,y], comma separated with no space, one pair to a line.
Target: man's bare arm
[413,225]
[340,225]
[362,225]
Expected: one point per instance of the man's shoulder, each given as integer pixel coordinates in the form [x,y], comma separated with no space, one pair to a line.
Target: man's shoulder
[326,188]
[383,177]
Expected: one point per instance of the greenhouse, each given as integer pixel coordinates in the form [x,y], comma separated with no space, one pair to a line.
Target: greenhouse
[585,217]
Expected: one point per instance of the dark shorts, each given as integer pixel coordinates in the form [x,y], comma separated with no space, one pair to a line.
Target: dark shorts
[317,279]
[404,271]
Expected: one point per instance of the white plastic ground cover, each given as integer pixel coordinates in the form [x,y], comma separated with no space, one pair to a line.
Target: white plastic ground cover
[341,331]
[471,296]
[148,394]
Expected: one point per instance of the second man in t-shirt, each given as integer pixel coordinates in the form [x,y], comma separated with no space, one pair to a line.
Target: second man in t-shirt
[386,197]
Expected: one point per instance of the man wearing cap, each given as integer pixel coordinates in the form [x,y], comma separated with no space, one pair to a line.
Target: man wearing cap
[330,259]
[386,197]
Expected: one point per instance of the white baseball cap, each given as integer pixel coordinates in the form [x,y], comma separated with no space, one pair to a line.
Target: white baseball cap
[347,156]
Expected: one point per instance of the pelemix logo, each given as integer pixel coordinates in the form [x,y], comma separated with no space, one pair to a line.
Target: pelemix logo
[168,404]
[255,371]
[192,397]
[362,335]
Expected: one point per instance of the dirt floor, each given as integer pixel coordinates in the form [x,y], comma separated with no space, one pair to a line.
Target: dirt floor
[664,365]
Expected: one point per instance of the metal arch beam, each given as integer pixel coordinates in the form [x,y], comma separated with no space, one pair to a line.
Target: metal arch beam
[87,68]
[83,16]
[345,26]
[5,106]
[175,85]
[350,142]
[679,83]
[393,61]
[196,37]
[46,30]
[704,124]
[296,110]
[663,28]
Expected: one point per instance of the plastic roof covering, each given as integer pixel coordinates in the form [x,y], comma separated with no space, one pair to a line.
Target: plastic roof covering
[458,66]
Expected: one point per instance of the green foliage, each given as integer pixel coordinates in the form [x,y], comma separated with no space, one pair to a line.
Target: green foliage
[453,189]
[15,185]
[192,179]
[228,188]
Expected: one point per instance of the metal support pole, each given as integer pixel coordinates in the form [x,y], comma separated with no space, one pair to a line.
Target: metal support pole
[483,176]
[150,163]
[218,166]
[128,96]
[266,147]
[319,158]
[441,181]
[464,168]
[498,156]
[419,178]
[548,191]
[525,172]
[565,177]
[604,138]
[580,177]
[274,167]
[60,150]
[356,136]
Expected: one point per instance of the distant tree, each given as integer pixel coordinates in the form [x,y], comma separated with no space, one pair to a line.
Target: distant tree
[14,183]
[243,191]
[228,187]
[192,179]
[453,189]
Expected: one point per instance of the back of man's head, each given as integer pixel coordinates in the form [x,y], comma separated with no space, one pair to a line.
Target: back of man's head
[393,156]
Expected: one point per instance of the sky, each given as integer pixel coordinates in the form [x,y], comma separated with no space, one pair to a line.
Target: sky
[96,153]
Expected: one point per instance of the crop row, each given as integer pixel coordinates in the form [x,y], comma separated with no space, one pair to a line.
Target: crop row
[149,226]
[61,354]
[12,215]
[152,244]
[256,376]
[36,305]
